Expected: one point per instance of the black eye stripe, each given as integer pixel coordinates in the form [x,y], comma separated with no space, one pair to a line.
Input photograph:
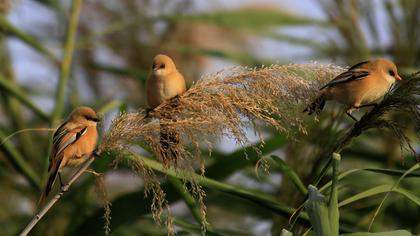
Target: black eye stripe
[90,118]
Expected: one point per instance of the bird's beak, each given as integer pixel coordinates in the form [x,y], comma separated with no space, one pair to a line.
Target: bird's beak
[397,77]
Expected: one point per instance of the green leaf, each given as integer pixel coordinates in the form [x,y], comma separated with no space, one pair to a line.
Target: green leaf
[317,209]
[285,232]
[11,30]
[226,164]
[242,58]
[20,95]
[248,19]
[262,200]
[19,162]
[134,73]
[389,233]
[291,175]
[393,188]
[189,200]
[65,67]
[109,106]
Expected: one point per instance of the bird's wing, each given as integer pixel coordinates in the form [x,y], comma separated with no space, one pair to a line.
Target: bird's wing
[63,138]
[356,72]
[181,86]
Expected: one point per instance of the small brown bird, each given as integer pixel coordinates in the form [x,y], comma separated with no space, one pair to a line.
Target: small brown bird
[73,142]
[362,85]
[164,83]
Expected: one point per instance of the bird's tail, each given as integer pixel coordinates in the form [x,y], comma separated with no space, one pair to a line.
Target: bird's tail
[51,178]
[169,140]
[316,106]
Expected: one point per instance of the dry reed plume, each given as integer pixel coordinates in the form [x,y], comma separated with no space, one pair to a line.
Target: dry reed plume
[223,104]
[218,105]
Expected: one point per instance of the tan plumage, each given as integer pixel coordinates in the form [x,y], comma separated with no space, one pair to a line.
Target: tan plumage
[364,84]
[164,83]
[73,142]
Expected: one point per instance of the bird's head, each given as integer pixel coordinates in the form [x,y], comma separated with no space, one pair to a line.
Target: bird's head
[389,68]
[163,65]
[84,115]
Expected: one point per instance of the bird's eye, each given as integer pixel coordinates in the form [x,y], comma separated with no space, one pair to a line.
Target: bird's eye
[162,66]
[391,72]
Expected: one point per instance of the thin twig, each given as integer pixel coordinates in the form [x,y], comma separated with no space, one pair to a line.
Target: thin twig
[57,197]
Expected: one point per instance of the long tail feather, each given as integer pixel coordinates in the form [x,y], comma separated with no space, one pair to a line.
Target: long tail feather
[50,182]
[316,106]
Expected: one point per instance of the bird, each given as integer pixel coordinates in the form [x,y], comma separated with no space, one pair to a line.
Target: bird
[165,82]
[74,141]
[363,84]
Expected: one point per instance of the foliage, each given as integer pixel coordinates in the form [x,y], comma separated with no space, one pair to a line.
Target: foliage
[101,58]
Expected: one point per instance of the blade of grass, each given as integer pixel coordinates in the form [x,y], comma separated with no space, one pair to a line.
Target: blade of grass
[65,66]
[11,105]
[325,217]
[109,106]
[259,199]
[226,164]
[131,72]
[395,186]
[333,212]
[194,228]
[21,96]
[67,61]
[247,19]
[50,3]
[19,163]
[190,201]
[291,175]
[385,188]
[389,233]
[243,58]
[11,30]
[317,209]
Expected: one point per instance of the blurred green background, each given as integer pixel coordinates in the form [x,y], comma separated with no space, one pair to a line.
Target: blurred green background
[112,53]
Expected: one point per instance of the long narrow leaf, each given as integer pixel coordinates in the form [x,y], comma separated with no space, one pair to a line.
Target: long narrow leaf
[11,30]
[291,175]
[22,97]
[20,163]
[65,65]
[248,18]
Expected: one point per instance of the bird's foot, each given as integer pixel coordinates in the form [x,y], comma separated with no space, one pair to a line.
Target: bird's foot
[176,101]
[149,112]
[96,153]
[348,112]
[366,105]
[64,187]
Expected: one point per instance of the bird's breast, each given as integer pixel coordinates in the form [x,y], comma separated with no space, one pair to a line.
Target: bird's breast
[78,152]
[162,88]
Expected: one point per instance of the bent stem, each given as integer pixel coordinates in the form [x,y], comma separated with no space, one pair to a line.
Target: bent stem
[57,197]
